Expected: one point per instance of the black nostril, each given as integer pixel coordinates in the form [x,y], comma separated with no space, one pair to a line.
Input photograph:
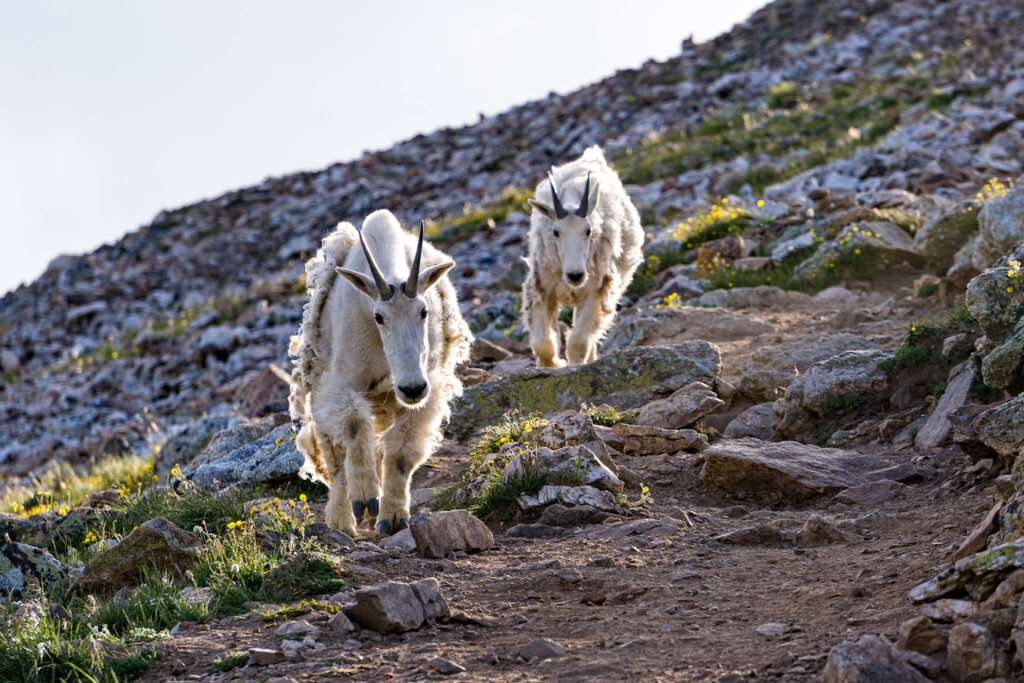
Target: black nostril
[575,277]
[413,391]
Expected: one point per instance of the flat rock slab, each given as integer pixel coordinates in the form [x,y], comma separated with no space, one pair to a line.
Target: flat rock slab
[623,379]
[937,427]
[645,440]
[439,533]
[657,326]
[640,527]
[871,493]
[682,408]
[1002,427]
[797,471]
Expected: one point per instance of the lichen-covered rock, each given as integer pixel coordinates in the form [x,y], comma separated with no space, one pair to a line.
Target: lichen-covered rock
[797,471]
[157,543]
[1003,366]
[870,660]
[996,300]
[439,533]
[1002,427]
[941,238]
[809,396]
[623,379]
[673,325]
[977,575]
[1000,227]
[272,458]
[22,565]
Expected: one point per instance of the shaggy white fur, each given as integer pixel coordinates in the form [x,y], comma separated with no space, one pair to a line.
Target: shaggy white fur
[586,262]
[360,365]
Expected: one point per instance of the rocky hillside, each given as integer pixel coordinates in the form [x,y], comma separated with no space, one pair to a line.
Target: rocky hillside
[812,393]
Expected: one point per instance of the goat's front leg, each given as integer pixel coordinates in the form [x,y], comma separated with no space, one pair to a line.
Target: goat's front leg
[587,322]
[408,443]
[344,418]
[542,324]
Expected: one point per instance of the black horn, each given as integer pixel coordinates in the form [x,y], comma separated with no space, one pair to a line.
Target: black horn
[382,286]
[560,211]
[414,273]
[582,211]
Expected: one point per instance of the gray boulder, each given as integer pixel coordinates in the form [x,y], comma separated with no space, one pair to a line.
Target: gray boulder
[870,660]
[272,458]
[396,607]
[810,395]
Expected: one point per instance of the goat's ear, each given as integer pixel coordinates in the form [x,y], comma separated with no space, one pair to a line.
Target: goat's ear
[592,203]
[430,276]
[543,208]
[360,281]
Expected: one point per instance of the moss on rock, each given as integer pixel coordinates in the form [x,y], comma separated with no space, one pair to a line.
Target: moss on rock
[623,379]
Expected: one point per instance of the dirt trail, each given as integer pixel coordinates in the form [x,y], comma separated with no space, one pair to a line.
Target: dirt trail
[680,606]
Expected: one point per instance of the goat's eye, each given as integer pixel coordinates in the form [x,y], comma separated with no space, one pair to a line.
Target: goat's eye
[588,231]
[556,233]
[379,318]
[423,314]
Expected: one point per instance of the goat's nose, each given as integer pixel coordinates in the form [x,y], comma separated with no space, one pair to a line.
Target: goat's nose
[575,278]
[413,392]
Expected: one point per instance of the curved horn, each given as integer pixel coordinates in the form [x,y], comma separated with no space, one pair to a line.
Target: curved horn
[560,211]
[585,201]
[382,286]
[414,272]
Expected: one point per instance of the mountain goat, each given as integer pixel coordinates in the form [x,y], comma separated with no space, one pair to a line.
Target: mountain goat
[583,257]
[374,371]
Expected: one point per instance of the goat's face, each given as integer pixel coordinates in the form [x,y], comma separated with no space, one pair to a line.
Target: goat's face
[400,313]
[570,232]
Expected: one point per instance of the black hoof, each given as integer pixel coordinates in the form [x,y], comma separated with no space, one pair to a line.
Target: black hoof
[358,508]
[384,527]
[374,506]
[403,523]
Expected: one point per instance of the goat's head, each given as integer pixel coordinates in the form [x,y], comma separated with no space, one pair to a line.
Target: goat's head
[400,313]
[570,232]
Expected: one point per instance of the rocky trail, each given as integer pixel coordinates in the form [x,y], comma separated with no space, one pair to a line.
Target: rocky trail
[798,455]
[694,584]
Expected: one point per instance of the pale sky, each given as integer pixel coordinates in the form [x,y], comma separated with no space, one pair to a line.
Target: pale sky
[111,111]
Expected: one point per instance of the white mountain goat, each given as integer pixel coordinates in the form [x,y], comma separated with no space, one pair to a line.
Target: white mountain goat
[375,361]
[583,257]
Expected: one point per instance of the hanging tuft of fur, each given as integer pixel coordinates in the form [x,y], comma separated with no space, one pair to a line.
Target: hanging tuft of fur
[306,346]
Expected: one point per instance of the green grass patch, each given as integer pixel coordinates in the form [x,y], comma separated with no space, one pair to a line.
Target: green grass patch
[928,289]
[824,124]
[229,662]
[907,356]
[449,229]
